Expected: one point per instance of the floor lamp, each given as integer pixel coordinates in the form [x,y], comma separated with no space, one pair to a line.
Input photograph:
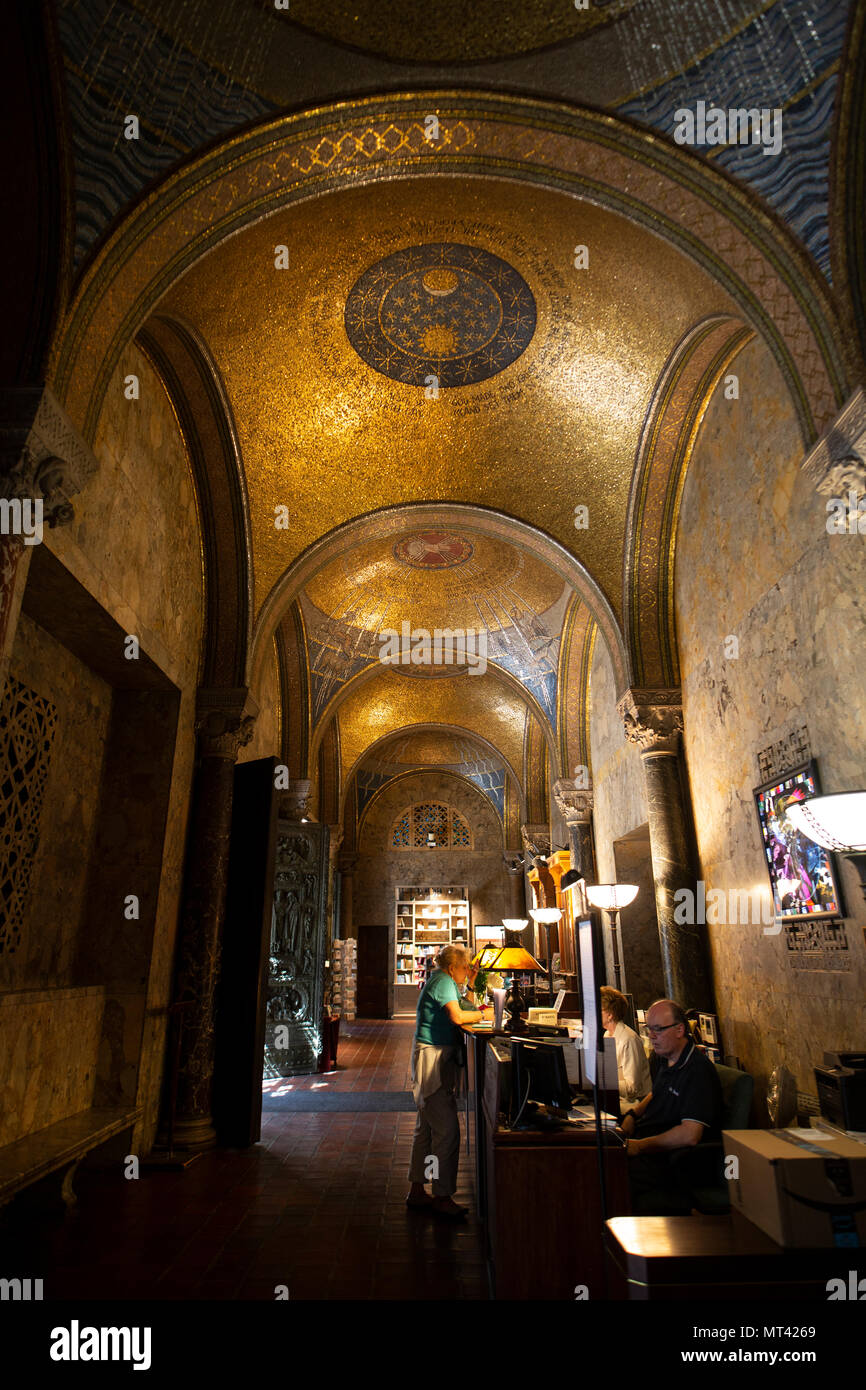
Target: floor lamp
[545,917]
[610,897]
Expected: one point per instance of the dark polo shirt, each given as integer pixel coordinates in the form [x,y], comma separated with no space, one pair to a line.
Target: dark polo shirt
[689,1090]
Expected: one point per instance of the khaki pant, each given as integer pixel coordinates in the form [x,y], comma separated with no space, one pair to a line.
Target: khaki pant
[437,1132]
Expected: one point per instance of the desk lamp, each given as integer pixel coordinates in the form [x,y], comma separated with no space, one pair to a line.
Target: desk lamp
[836,822]
[610,897]
[514,960]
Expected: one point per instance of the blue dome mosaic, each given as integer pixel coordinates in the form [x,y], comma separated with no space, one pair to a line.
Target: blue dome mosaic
[453,312]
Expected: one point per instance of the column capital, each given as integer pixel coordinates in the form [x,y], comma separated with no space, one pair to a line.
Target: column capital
[42,455]
[347,861]
[652,719]
[294,800]
[574,802]
[224,721]
[836,465]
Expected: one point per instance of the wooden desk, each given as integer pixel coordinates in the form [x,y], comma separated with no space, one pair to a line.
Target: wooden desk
[716,1257]
[541,1197]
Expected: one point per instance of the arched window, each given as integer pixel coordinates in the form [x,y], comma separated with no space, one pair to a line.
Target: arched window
[431,825]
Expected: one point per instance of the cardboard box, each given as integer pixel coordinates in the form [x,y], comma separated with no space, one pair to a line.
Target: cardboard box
[802,1186]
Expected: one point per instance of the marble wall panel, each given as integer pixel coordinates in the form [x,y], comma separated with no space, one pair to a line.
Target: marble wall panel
[69,809]
[49,1041]
[752,544]
[135,546]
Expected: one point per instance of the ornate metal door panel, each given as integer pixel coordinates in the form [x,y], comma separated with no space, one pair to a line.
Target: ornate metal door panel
[295,983]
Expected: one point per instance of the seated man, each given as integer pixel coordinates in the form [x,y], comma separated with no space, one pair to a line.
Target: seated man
[632,1067]
[685,1106]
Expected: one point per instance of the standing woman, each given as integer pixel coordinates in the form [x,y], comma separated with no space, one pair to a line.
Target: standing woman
[434,1081]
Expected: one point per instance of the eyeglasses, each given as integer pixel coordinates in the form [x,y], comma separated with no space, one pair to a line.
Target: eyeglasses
[663,1029]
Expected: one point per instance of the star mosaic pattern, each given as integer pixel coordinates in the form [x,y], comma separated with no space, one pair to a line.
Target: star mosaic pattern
[444,310]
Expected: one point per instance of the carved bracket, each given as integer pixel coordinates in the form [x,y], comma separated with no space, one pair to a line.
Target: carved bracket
[41,453]
[837,463]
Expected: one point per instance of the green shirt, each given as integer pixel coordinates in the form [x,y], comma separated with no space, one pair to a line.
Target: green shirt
[434,1025]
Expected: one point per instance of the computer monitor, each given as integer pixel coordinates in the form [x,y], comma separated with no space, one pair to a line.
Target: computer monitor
[538,1073]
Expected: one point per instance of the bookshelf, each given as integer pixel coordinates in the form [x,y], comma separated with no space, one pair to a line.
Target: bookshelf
[426,919]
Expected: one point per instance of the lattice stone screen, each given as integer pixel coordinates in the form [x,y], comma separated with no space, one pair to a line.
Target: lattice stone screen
[28,723]
[447,827]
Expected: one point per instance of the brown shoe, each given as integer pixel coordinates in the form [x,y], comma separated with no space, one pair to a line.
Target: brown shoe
[419,1203]
[444,1206]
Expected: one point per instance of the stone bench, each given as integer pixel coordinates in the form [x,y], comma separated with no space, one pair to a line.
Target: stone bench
[46,1161]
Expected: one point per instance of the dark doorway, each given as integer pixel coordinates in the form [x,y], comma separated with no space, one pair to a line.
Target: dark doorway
[639,929]
[374,973]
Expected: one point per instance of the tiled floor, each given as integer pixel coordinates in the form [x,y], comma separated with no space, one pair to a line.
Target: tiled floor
[317,1206]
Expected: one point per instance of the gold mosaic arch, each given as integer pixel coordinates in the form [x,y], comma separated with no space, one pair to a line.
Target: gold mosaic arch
[421,696]
[470,736]
[392,521]
[575,663]
[667,441]
[589,155]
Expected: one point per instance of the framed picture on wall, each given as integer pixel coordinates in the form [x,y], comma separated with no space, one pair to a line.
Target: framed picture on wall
[803,876]
[709,1028]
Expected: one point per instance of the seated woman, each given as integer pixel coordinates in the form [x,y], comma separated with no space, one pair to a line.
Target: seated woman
[632,1067]
[434,1082]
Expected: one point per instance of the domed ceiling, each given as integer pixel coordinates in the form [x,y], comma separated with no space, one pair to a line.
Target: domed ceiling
[449,581]
[487,706]
[451,31]
[328,363]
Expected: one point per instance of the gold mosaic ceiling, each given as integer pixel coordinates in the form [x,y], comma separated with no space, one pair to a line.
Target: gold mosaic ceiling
[434,579]
[486,705]
[331,438]
[451,31]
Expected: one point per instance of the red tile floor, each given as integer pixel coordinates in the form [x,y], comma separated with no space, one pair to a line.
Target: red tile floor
[318,1206]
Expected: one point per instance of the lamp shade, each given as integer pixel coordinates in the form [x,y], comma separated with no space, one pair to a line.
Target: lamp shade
[835,822]
[568,880]
[515,923]
[611,896]
[515,958]
[545,915]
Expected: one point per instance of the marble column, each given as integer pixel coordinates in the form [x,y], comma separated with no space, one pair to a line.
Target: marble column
[575,807]
[43,462]
[653,721]
[348,860]
[224,724]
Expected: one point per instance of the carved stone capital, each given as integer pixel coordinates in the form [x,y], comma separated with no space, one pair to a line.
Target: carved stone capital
[294,800]
[536,838]
[347,861]
[836,465]
[652,719]
[225,720]
[42,455]
[574,802]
